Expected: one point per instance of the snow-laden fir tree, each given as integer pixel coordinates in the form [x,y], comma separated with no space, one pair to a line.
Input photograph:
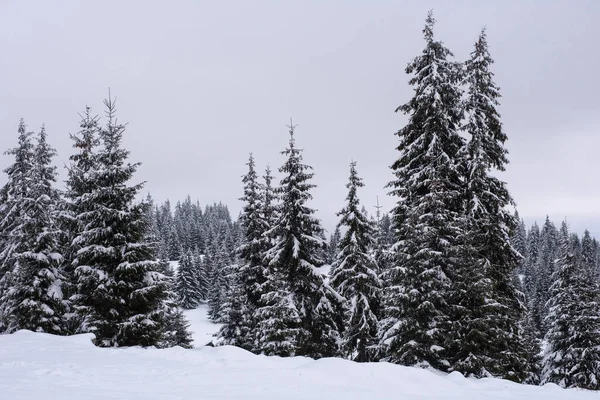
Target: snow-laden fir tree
[487,304]
[176,328]
[249,281]
[188,290]
[219,284]
[333,245]
[529,268]
[588,253]
[543,270]
[12,196]
[573,357]
[277,319]
[426,216]
[202,275]
[294,257]
[354,276]
[120,293]
[518,241]
[34,300]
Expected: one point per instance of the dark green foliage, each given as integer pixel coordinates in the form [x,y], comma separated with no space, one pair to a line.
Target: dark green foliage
[428,188]
[295,258]
[573,359]
[487,305]
[120,293]
[354,277]
[33,298]
[188,290]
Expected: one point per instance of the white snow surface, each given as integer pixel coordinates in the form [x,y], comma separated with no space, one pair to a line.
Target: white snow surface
[40,366]
[202,329]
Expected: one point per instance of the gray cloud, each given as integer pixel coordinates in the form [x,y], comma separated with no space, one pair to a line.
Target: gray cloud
[204,83]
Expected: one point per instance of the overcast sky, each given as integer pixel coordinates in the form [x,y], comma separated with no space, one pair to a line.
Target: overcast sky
[203,83]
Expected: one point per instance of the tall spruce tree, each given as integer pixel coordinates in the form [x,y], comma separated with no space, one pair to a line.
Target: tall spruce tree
[354,276]
[529,269]
[487,304]
[187,282]
[544,269]
[426,216]
[35,299]
[119,289]
[573,357]
[249,280]
[294,256]
[333,245]
[518,241]
[13,193]
[219,285]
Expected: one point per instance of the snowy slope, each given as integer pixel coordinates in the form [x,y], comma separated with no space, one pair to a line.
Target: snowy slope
[202,329]
[39,366]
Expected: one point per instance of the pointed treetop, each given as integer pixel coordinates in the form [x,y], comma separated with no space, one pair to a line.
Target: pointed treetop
[429,24]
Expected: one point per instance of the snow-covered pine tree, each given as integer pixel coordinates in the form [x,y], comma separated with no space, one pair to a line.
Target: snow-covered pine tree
[251,276]
[588,254]
[277,319]
[294,256]
[487,305]
[254,226]
[544,269]
[35,300]
[176,328]
[428,189]
[13,193]
[119,290]
[239,321]
[529,269]
[518,241]
[202,275]
[219,284]
[19,176]
[573,358]
[79,183]
[333,245]
[187,285]
[354,276]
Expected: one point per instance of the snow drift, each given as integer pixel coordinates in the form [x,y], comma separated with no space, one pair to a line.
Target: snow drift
[40,366]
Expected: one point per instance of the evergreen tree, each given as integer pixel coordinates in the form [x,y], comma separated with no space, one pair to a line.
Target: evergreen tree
[428,187]
[278,320]
[250,279]
[76,202]
[529,270]
[354,277]
[202,275]
[35,300]
[333,246]
[519,241]
[119,290]
[543,274]
[487,304]
[573,359]
[219,285]
[252,272]
[588,254]
[176,328]
[11,195]
[294,256]
[187,282]
[239,322]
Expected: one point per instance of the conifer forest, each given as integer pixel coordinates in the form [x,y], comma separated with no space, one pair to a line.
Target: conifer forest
[449,279]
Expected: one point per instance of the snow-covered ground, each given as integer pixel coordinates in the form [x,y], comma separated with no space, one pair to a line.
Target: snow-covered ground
[37,366]
[202,329]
